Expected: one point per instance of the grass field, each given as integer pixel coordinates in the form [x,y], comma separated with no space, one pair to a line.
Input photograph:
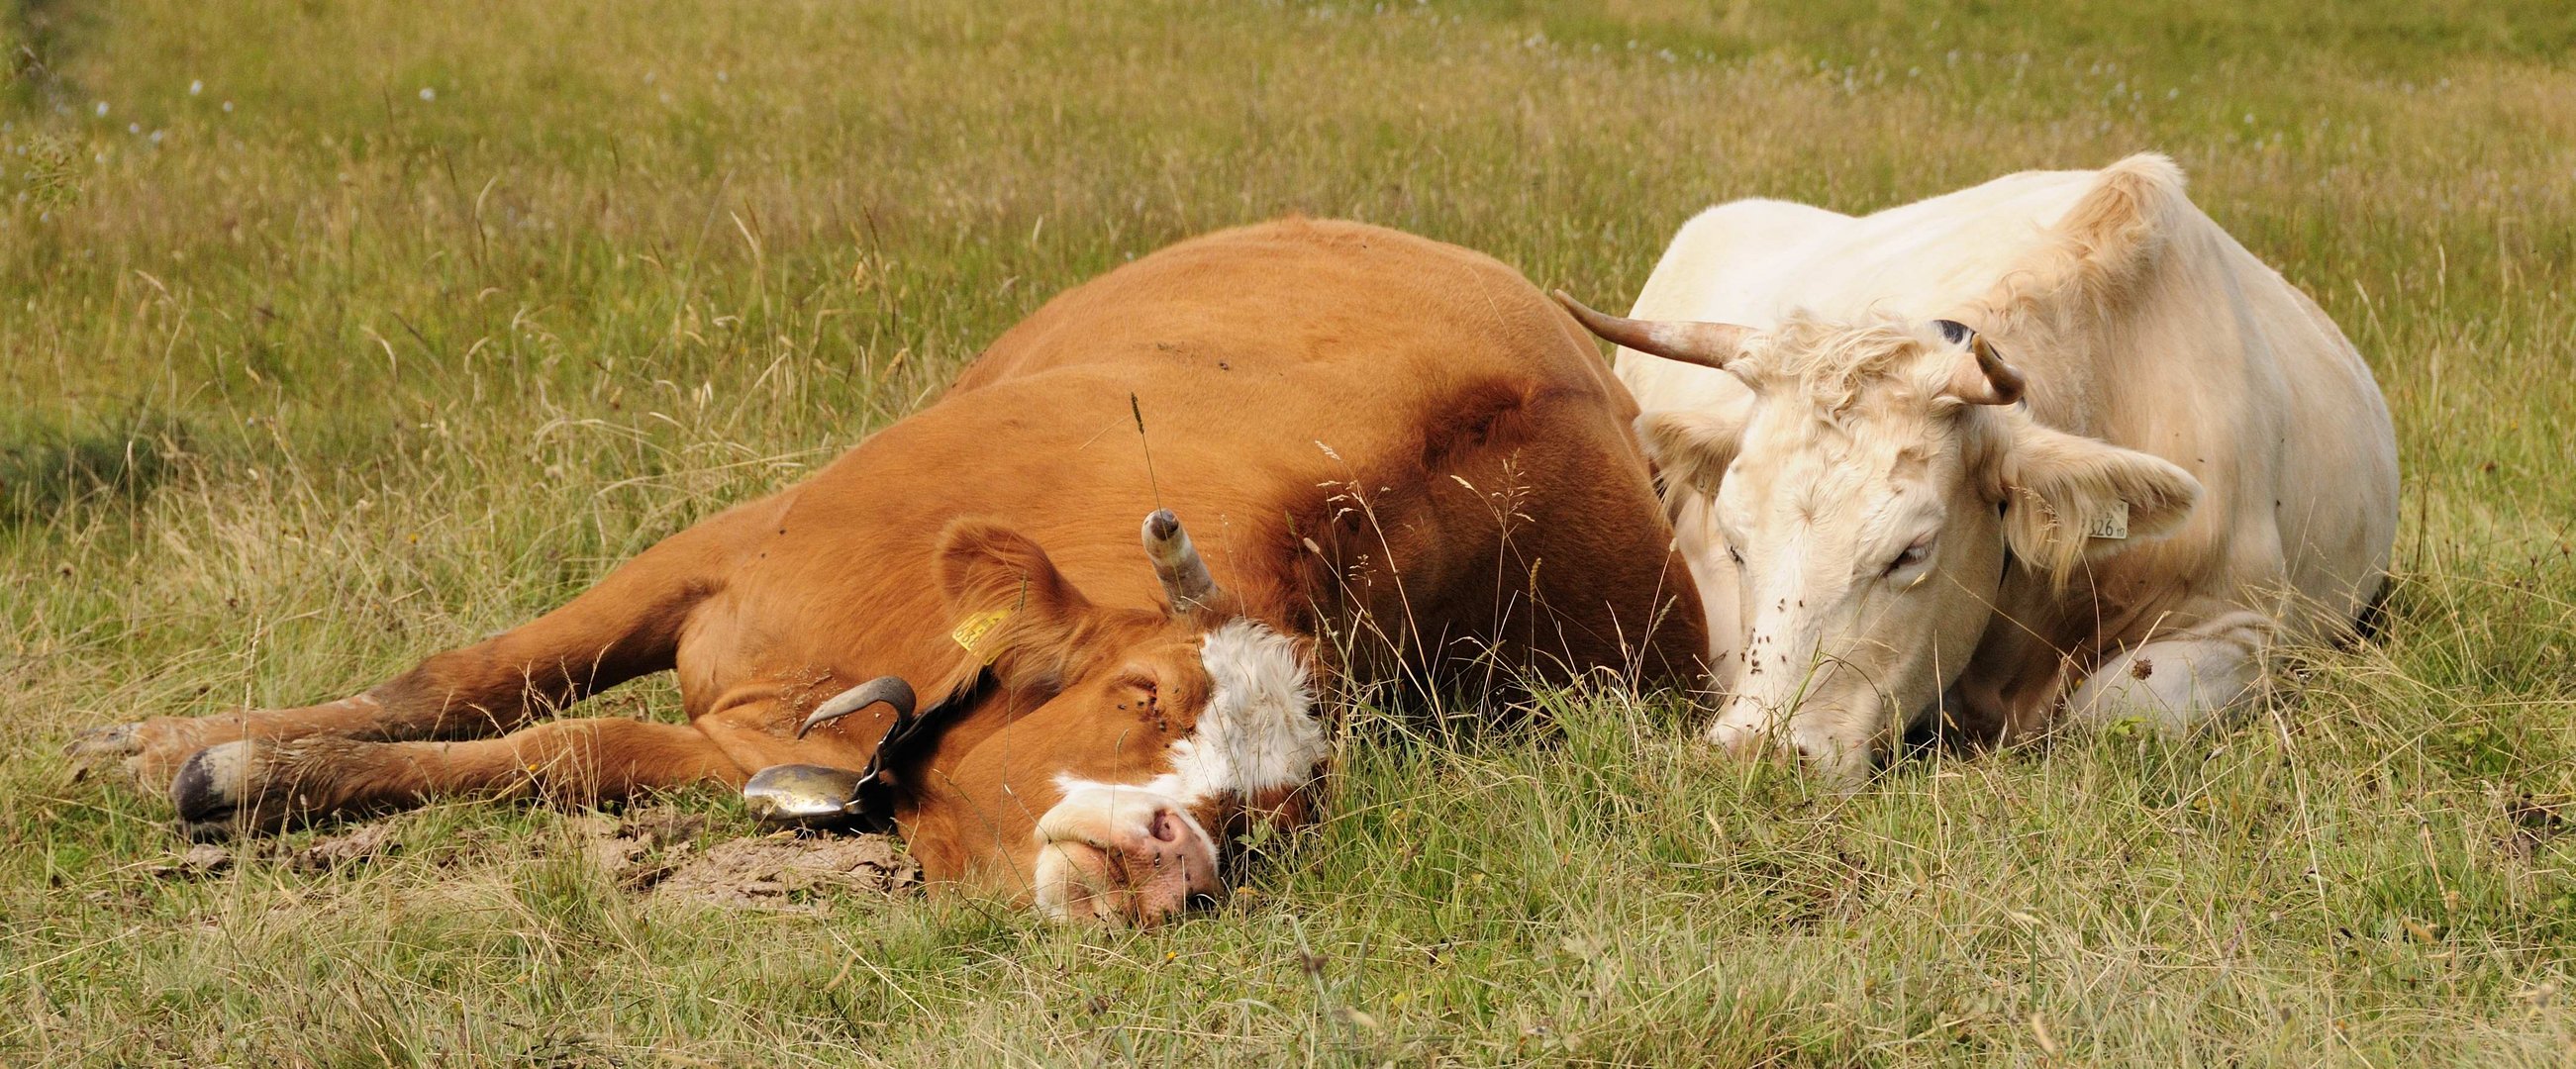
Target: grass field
[332,334]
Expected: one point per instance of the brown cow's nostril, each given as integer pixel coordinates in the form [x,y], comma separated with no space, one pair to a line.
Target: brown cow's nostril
[1167,826]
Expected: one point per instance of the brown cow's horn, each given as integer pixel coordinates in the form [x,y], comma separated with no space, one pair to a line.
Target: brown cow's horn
[891,690]
[1990,381]
[1185,577]
[1690,342]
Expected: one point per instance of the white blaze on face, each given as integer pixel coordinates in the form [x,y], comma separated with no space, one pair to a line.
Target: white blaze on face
[1258,734]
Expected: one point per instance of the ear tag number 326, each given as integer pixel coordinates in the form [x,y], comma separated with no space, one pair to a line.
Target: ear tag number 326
[2112,522]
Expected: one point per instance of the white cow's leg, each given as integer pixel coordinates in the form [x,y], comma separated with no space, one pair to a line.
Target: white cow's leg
[2180,681]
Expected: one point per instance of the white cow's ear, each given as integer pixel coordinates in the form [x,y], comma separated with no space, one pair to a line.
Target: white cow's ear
[2068,497]
[1691,448]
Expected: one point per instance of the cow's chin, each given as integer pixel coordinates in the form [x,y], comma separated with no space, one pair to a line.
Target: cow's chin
[1122,855]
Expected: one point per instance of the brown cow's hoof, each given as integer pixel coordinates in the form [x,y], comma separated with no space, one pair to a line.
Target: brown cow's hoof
[213,794]
[256,785]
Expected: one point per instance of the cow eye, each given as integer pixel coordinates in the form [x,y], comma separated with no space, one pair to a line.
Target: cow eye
[1914,554]
[1141,689]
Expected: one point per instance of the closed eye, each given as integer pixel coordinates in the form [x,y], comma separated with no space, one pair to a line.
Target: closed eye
[1913,555]
[1142,690]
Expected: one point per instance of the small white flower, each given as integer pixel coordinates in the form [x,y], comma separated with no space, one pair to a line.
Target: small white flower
[228,107]
[102,109]
[427,93]
[196,87]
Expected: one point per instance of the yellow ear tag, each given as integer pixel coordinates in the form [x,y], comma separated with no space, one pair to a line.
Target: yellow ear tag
[971,634]
[2112,523]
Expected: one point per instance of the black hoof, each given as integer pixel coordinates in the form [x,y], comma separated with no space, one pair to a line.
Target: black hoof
[206,789]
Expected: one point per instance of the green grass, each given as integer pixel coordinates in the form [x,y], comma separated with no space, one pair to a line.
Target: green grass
[299,390]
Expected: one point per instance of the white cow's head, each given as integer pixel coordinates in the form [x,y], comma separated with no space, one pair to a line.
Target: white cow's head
[1867,496]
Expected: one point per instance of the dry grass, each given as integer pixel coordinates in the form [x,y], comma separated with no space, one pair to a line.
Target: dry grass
[334,334]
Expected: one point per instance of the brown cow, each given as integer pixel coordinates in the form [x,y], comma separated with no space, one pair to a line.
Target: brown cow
[1383,443]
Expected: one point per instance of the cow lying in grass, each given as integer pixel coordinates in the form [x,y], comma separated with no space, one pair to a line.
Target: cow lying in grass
[2053,443]
[1383,445]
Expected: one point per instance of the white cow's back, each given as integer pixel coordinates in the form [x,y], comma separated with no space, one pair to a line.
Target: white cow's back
[1755,261]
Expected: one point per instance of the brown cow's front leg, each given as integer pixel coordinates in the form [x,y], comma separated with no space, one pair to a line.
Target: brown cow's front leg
[626,626]
[258,784]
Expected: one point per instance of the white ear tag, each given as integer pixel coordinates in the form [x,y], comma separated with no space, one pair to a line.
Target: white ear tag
[2111,523]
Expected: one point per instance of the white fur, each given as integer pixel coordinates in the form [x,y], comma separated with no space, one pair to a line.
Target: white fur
[1258,733]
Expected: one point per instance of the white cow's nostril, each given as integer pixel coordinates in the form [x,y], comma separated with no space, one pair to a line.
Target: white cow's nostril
[1167,826]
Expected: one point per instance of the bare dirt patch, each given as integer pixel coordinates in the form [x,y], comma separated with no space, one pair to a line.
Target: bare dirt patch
[653,850]
[786,870]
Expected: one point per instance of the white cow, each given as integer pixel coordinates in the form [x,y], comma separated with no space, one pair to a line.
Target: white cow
[2054,443]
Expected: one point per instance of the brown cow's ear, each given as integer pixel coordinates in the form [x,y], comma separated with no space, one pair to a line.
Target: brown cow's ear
[2069,497]
[1691,448]
[1011,608]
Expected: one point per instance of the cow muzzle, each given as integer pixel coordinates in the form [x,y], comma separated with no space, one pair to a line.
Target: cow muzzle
[1122,855]
[1840,746]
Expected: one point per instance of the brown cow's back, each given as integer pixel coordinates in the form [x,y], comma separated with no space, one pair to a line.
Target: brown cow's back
[1346,416]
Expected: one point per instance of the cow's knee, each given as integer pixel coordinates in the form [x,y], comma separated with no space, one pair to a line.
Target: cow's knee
[2172,685]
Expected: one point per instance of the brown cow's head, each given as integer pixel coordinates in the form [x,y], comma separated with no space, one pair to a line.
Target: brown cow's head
[1119,747]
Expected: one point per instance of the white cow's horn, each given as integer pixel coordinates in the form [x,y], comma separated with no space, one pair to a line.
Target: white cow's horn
[1690,342]
[1186,582]
[1990,381]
